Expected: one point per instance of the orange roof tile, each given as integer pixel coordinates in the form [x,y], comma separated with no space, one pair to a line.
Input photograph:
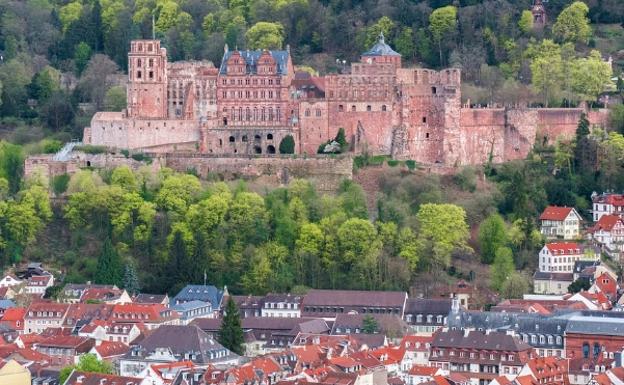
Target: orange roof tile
[555,213]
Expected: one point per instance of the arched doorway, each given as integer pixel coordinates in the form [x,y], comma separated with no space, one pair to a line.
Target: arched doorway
[271,149]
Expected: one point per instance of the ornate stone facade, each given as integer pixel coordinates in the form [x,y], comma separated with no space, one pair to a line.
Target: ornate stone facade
[255,99]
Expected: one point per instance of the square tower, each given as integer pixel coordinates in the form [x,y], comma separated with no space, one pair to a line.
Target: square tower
[147,80]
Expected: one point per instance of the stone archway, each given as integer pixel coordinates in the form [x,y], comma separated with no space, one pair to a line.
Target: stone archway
[271,149]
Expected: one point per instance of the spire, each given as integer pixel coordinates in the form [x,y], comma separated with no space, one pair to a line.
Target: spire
[381,38]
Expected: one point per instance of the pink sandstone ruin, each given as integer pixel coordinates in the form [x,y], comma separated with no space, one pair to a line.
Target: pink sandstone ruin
[255,99]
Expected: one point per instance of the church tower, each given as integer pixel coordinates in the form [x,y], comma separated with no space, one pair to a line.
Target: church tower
[147,80]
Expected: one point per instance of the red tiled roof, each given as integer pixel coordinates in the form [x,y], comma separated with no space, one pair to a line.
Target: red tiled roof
[84,378]
[555,213]
[14,314]
[64,341]
[607,222]
[609,288]
[108,349]
[420,370]
[26,353]
[564,248]
[389,355]
[142,312]
[545,367]
[414,343]
[45,306]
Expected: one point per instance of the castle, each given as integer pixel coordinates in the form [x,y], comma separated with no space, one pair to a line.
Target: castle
[255,99]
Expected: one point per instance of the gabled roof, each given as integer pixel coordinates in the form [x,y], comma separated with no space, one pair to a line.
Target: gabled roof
[555,213]
[205,293]
[607,223]
[108,349]
[475,339]
[353,298]
[149,298]
[251,59]
[381,48]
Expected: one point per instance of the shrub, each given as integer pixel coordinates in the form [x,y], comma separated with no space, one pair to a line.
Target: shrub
[91,149]
[51,146]
[125,153]
[411,164]
[141,157]
[393,162]
[59,184]
[287,145]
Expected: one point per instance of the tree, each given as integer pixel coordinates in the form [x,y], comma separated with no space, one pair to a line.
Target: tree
[492,236]
[287,145]
[91,86]
[526,21]
[265,35]
[590,76]
[369,325]
[572,24]
[231,332]
[405,44]
[442,22]
[384,26]
[442,229]
[110,267]
[115,99]
[82,54]
[581,284]
[547,76]
[502,267]
[131,280]
[515,286]
[87,363]
[616,118]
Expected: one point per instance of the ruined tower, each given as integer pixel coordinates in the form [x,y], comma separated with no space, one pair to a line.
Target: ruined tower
[147,80]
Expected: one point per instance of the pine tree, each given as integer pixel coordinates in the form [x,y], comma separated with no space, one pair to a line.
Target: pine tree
[341,139]
[583,157]
[131,280]
[109,266]
[231,332]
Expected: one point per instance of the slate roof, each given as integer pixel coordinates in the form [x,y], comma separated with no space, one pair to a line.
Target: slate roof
[205,293]
[251,58]
[551,276]
[181,340]
[609,326]
[6,304]
[186,306]
[493,341]
[427,306]
[149,298]
[381,48]
[353,298]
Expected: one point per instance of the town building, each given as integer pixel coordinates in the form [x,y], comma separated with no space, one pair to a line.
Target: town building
[203,293]
[551,282]
[559,257]
[87,378]
[43,315]
[170,343]
[560,222]
[281,305]
[188,311]
[12,373]
[328,303]
[425,316]
[480,356]
[256,99]
[608,232]
[64,350]
[607,203]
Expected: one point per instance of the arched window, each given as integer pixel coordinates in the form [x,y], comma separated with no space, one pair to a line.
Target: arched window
[232,139]
[269,136]
[353,108]
[369,108]
[596,349]
[585,350]
[383,107]
[307,112]
[248,114]
[271,149]
[542,340]
[244,138]
[558,340]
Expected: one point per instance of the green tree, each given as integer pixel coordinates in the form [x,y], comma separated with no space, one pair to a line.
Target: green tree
[502,268]
[115,99]
[110,268]
[353,200]
[11,165]
[572,24]
[547,76]
[369,325]
[526,21]
[82,54]
[123,177]
[590,76]
[44,84]
[177,192]
[515,286]
[405,44]
[442,23]
[87,363]
[492,236]
[287,145]
[442,229]
[581,284]
[231,332]
[616,118]
[265,35]
[384,26]
[131,280]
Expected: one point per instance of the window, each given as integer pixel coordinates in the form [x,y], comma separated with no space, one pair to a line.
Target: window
[383,108]
[434,90]
[340,108]
[232,139]
[318,113]
[424,119]
[138,74]
[269,136]
[353,109]
[585,350]
[369,108]
[307,112]
[427,135]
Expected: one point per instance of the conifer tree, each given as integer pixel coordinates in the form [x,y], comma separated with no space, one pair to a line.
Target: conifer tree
[231,332]
[109,266]
[131,280]
[370,325]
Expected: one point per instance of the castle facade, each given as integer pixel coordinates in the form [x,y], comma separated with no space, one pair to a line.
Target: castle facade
[255,99]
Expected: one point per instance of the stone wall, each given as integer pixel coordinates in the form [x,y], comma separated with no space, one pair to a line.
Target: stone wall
[325,173]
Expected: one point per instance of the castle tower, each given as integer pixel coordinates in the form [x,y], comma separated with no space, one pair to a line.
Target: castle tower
[381,53]
[539,14]
[147,80]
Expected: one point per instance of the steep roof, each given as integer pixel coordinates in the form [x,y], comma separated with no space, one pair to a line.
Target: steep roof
[608,326]
[607,222]
[107,349]
[555,213]
[381,48]
[205,293]
[84,378]
[352,298]
[252,57]
[428,306]
[476,339]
